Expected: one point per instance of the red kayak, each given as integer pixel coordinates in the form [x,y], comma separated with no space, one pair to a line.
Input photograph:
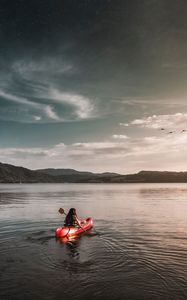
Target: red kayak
[74,231]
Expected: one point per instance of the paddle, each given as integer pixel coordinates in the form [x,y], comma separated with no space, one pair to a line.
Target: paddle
[61,211]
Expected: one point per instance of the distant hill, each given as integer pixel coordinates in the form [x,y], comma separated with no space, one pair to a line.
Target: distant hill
[15,174]
[59,172]
[157,176]
[71,175]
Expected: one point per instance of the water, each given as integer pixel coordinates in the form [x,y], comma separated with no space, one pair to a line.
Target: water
[137,249]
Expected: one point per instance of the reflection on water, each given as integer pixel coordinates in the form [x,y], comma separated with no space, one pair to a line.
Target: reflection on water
[136,250]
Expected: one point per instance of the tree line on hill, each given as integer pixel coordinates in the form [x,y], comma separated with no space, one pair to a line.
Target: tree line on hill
[14,174]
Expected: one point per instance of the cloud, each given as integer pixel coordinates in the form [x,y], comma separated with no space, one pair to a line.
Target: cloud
[29,68]
[120,136]
[27,109]
[172,121]
[37,86]
[37,118]
[44,102]
[16,99]
[124,156]
[83,106]
[55,82]
[177,65]
[124,124]
[51,114]
[22,153]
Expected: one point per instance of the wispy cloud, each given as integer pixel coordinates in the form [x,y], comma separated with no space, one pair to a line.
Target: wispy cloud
[40,85]
[51,113]
[16,99]
[176,65]
[37,118]
[173,121]
[83,106]
[13,154]
[124,124]
[29,68]
[36,85]
[120,136]
[44,112]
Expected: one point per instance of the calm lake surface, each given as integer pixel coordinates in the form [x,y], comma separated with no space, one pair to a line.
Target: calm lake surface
[137,249]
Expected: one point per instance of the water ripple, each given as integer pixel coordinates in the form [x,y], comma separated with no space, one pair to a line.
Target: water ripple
[137,249]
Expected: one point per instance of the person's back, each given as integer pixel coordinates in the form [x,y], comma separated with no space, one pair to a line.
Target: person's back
[71,218]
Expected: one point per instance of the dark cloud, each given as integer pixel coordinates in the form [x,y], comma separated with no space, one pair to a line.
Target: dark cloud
[72,60]
[119,41]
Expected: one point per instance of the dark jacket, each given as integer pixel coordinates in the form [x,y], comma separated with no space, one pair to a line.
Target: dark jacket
[71,218]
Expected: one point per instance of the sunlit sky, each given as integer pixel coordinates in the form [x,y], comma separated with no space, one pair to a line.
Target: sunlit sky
[94,85]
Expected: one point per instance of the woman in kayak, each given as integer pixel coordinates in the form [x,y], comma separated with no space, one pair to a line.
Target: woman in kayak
[71,219]
[72,225]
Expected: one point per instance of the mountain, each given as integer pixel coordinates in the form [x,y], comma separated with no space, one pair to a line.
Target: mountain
[15,174]
[70,175]
[59,172]
[157,176]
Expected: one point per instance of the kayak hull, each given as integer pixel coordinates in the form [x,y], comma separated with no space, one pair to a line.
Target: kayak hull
[65,231]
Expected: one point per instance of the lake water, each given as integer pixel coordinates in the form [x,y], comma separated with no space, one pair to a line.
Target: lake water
[137,249]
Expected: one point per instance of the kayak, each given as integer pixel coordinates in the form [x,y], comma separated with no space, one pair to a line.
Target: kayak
[66,231]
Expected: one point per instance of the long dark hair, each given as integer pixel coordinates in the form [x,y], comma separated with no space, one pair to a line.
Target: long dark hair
[72,211]
[70,218]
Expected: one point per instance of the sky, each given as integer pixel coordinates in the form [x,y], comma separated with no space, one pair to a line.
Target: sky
[94,85]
